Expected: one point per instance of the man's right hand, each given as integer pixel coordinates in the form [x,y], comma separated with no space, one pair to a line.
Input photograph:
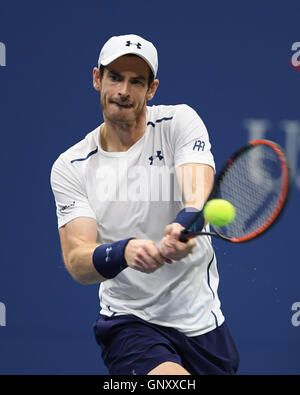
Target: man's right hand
[143,255]
[170,245]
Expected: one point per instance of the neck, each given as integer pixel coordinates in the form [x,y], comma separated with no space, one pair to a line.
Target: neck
[120,136]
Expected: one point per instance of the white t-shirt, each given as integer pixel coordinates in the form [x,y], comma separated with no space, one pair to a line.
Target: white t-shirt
[135,194]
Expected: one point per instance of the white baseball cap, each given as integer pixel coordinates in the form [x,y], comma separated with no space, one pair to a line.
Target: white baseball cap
[118,46]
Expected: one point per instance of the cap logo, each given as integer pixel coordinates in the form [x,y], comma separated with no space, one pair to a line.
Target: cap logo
[138,45]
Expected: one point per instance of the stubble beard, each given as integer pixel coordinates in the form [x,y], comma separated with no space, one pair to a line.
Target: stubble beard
[124,117]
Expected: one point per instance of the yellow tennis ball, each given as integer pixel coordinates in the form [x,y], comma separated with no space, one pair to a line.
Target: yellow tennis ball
[219,212]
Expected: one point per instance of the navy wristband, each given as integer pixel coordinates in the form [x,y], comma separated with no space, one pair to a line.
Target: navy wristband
[186,216]
[109,259]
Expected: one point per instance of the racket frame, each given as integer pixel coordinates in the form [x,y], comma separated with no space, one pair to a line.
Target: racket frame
[281,202]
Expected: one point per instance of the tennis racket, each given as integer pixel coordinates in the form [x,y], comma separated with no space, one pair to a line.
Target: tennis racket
[256,181]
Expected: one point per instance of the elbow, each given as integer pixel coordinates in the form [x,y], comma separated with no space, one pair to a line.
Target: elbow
[75,271]
[79,278]
[74,274]
[80,272]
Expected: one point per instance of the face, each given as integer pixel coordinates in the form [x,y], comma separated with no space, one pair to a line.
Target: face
[124,89]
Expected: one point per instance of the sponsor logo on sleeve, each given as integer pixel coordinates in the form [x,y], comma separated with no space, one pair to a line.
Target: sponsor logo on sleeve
[199,145]
[67,206]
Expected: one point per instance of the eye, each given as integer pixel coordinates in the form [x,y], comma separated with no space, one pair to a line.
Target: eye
[138,82]
[115,77]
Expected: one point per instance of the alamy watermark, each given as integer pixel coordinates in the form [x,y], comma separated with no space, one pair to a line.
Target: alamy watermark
[148,183]
[295,59]
[2,314]
[2,55]
[295,320]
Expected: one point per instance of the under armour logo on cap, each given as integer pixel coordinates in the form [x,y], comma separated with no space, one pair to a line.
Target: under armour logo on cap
[138,45]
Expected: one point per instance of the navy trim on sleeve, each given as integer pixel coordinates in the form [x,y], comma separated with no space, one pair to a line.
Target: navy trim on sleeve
[88,155]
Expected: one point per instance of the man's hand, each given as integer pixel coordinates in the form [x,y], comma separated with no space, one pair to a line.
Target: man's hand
[143,255]
[170,246]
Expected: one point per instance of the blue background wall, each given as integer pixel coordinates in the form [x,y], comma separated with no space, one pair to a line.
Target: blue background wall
[231,61]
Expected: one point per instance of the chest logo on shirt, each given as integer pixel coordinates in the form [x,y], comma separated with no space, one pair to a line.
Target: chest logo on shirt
[199,145]
[158,155]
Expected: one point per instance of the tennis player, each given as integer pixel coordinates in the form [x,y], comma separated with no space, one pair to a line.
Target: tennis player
[120,217]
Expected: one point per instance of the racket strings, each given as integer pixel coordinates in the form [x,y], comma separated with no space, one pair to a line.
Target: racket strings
[253,184]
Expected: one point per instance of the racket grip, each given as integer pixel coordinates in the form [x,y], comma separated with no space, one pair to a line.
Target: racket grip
[183,237]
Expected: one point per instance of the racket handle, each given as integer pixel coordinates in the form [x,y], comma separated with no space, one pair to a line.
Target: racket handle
[183,237]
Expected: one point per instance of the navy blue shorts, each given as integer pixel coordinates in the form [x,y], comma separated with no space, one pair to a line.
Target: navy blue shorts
[131,345]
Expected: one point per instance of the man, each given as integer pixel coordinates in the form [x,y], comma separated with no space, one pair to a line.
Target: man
[160,312]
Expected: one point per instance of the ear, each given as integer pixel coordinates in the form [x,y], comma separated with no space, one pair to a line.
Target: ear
[96,79]
[152,89]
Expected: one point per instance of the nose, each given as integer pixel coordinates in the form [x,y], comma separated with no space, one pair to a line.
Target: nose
[124,90]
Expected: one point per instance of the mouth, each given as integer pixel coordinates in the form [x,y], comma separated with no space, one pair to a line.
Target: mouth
[121,105]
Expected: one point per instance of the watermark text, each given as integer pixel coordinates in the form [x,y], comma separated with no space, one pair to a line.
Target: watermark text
[295,59]
[295,320]
[2,314]
[2,55]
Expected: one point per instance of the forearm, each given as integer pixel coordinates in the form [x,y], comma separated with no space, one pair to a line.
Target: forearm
[86,262]
[91,263]
[196,182]
[80,265]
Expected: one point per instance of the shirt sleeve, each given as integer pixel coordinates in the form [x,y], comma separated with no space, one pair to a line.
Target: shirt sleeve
[190,138]
[69,193]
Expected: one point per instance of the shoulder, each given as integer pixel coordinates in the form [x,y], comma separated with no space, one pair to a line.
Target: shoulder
[77,152]
[180,120]
[174,118]
[161,112]
[64,168]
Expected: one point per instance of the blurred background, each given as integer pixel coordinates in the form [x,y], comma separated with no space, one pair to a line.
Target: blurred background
[237,64]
